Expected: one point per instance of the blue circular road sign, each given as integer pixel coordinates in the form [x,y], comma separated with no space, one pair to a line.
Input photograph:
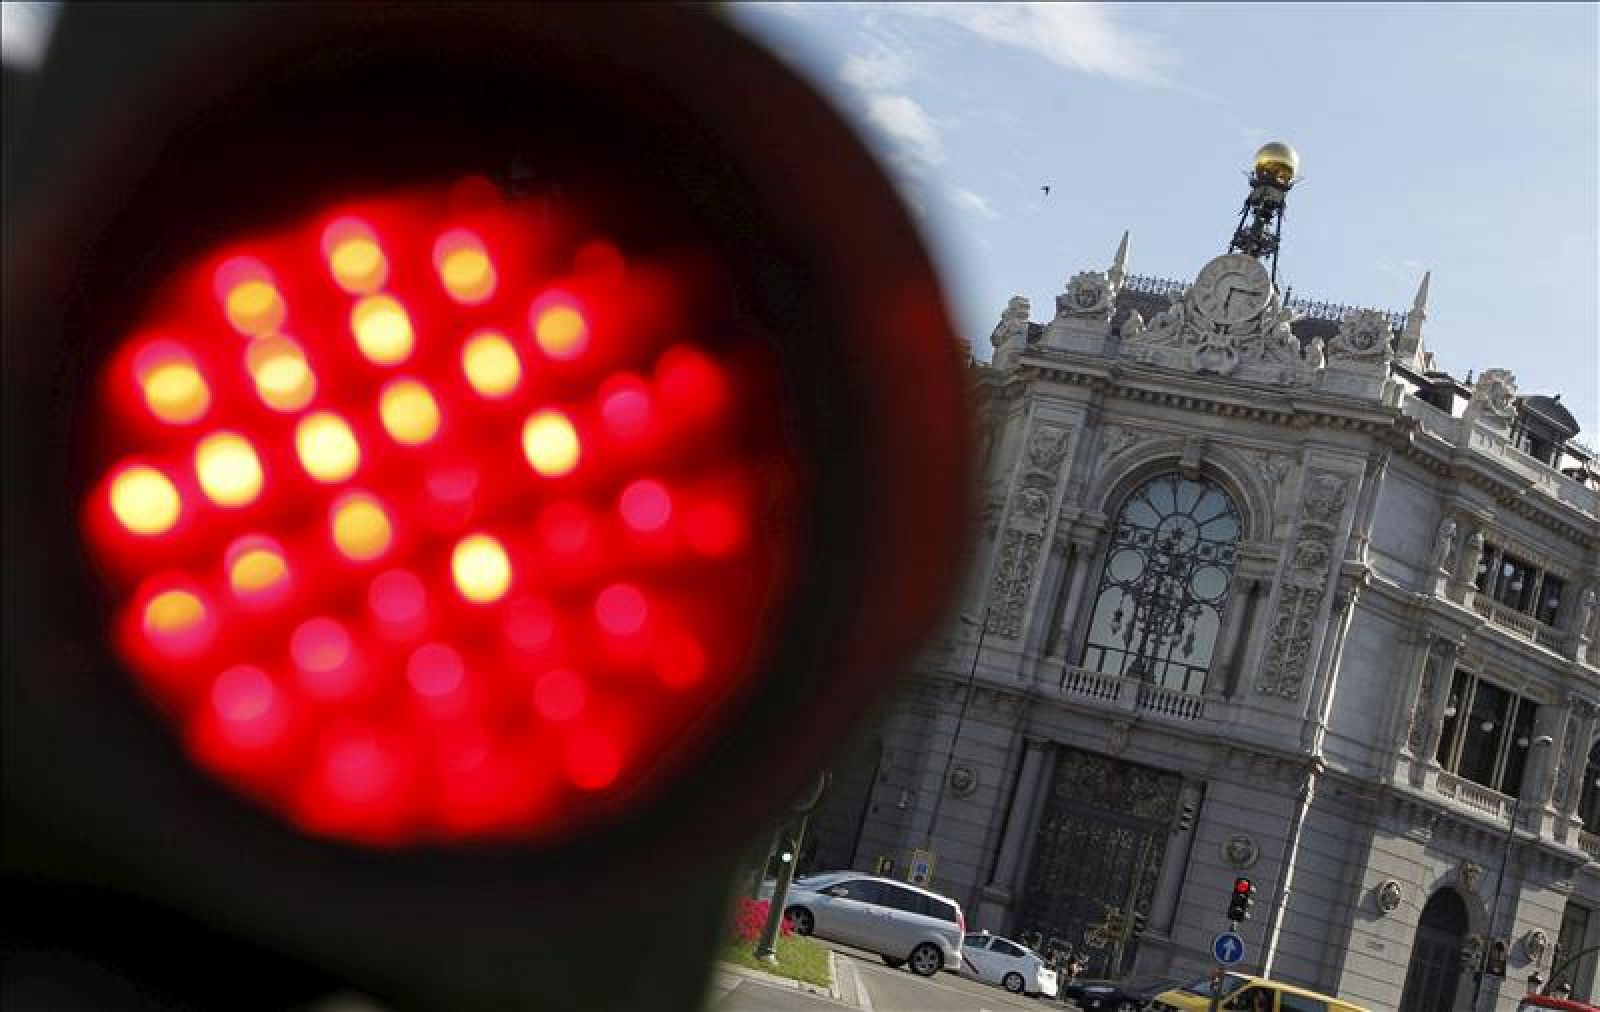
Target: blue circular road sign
[1227,948]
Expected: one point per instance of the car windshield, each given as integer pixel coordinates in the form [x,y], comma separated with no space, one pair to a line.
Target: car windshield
[1202,987]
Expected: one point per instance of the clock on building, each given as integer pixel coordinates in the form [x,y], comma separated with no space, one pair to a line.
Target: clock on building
[1231,289]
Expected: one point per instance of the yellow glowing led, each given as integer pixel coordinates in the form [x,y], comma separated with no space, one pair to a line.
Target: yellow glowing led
[361,527]
[144,501]
[550,443]
[254,307]
[382,330]
[228,469]
[562,332]
[491,364]
[464,266]
[173,611]
[257,569]
[358,265]
[409,412]
[175,391]
[278,367]
[326,446]
[481,569]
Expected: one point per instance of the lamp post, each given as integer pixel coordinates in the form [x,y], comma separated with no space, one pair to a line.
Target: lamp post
[1500,878]
[961,719]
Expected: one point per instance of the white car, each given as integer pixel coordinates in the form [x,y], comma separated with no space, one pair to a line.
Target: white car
[1011,965]
[903,924]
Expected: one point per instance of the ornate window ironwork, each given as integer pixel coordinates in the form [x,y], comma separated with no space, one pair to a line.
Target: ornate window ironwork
[1163,594]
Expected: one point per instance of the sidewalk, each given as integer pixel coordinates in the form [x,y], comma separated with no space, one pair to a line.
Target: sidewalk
[740,989]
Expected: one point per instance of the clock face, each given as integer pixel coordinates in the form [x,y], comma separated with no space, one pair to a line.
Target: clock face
[1232,289]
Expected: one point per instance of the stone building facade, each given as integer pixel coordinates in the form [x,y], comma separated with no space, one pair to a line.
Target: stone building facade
[1258,592]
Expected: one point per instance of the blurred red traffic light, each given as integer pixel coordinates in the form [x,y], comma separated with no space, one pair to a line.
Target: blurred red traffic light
[514,543]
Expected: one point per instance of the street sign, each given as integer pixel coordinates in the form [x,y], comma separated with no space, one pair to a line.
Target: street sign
[1227,948]
[921,870]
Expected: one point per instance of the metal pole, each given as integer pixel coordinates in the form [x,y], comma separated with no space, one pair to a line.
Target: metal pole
[961,719]
[1500,879]
[765,946]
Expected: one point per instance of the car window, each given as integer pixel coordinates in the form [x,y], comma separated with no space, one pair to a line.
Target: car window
[1300,1003]
[976,941]
[1006,948]
[941,910]
[903,899]
[860,890]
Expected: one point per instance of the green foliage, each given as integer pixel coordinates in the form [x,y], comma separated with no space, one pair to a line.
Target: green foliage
[799,958]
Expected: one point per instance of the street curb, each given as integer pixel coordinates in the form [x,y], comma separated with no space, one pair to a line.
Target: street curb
[774,980]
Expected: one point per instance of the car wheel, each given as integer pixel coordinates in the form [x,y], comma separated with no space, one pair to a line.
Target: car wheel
[893,962]
[800,920]
[926,960]
[1012,982]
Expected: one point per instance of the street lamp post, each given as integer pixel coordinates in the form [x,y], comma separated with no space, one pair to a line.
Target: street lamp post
[961,719]
[1500,878]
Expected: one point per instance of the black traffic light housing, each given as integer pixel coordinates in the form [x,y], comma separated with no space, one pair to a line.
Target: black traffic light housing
[156,132]
[1241,899]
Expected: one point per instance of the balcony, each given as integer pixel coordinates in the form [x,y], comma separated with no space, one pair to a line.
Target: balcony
[1116,692]
[1480,799]
[1589,843]
[1526,626]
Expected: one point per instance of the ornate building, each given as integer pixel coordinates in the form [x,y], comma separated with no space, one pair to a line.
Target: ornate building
[1259,592]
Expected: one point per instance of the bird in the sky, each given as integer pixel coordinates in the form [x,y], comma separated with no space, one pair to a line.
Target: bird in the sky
[1046,190]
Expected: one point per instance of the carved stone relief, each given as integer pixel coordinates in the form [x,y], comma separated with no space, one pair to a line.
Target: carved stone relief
[1388,895]
[1241,851]
[1494,397]
[1013,576]
[1017,561]
[1364,338]
[1304,587]
[1013,325]
[1089,294]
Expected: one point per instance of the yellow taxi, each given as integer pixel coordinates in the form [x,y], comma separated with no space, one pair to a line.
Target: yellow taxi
[1242,993]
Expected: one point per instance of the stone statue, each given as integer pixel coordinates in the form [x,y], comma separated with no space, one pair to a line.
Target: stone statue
[1586,602]
[1316,358]
[1494,396]
[1013,325]
[1444,545]
[1133,326]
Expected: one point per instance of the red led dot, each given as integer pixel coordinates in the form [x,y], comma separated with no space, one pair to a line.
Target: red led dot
[177,619]
[435,670]
[248,707]
[397,597]
[645,505]
[559,695]
[621,609]
[320,644]
[691,383]
[593,760]
[529,624]
[625,406]
[566,527]
[678,660]
[358,768]
[715,529]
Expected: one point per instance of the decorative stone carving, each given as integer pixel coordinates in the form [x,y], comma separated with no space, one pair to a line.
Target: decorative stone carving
[1117,739]
[1274,469]
[1534,944]
[1364,337]
[1388,895]
[1304,587]
[1316,356]
[1494,398]
[963,781]
[1115,440]
[1033,498]
[1088,294]
[1444,545]
[1013,325]
[1241,851]
[1469,875]
[1467,571]
[1047,448]
[1584,613]
[1013,577]
[1133,326]
[1416,730]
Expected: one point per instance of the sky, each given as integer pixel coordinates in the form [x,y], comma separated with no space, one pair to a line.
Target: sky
[1453,138]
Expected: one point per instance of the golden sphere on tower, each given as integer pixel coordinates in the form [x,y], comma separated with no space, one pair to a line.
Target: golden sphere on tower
[1279,161]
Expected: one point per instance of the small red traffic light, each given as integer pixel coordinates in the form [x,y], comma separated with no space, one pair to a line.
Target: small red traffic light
[1242,886]
[435,519]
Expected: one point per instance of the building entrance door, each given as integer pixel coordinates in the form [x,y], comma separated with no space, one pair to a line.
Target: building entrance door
[1435,969]
[1096,857]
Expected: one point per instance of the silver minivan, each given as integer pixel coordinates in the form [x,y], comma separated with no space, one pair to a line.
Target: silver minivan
[901,923]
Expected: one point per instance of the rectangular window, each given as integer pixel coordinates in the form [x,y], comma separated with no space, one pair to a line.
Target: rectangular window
[1486,735]
[1514,584]
[1549,605]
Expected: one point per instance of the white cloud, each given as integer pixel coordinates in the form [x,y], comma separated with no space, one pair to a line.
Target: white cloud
[903,120]
[969,201]
[1076,36]
[883,69]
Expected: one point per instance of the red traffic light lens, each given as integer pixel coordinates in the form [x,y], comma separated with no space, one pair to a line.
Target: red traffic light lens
[1242,886]
[435,519]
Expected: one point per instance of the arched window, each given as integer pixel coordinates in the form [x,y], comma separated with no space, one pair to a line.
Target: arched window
[1164,592]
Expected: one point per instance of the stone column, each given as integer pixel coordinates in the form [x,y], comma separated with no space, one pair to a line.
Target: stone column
[1417,697]
[1080,599]
[995,898]
[1240,602]
[1586,712]
[1164,902]
[1083,558]
[1554,721]
[1444,660]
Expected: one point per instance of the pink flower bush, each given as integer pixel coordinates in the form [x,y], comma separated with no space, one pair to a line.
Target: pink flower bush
[750,917]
